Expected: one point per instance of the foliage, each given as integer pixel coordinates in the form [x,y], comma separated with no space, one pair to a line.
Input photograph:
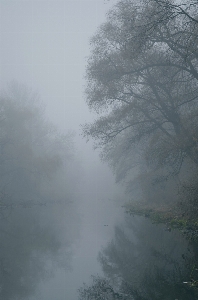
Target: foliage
[100,289]
[171,217]
[142,82]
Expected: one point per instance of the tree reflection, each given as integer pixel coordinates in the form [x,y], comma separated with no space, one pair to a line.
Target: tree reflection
[25,248]
[149,263]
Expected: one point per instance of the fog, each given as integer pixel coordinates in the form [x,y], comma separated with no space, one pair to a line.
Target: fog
[116,222]
[44,46]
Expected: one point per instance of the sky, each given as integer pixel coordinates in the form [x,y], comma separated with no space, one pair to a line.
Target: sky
[44,45]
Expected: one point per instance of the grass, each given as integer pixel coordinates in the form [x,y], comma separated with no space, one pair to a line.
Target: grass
[172,217]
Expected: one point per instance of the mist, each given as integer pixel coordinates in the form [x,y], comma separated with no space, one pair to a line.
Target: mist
[98,150]
[43,58]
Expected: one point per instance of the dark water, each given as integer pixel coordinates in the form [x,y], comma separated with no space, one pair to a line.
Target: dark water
[47,252]
[140,258]
[149,262]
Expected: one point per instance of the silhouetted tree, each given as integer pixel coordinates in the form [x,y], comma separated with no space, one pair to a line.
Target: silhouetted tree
[142,82]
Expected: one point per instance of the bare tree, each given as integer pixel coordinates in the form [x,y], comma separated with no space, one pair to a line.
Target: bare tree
[142,82]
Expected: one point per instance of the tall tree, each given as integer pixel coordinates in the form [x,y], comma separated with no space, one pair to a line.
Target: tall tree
[142,82]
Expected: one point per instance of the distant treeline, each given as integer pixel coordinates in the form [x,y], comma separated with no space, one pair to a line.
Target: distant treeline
[36,193]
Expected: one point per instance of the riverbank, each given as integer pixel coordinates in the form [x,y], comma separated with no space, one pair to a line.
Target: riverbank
[171,217]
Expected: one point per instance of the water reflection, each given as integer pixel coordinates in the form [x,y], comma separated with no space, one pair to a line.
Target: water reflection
[144,261]
[29,252]
[37,198]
